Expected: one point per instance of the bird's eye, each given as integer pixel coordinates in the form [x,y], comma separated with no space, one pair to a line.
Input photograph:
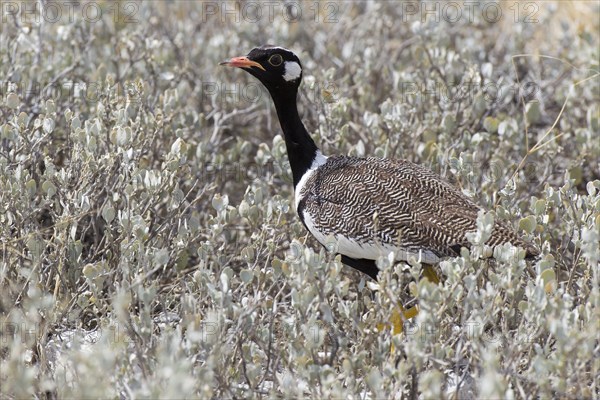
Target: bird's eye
[275,60]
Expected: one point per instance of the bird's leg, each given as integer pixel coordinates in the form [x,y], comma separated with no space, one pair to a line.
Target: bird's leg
[399,316]
[430,274]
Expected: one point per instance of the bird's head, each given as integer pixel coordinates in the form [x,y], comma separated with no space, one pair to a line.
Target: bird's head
[277,68]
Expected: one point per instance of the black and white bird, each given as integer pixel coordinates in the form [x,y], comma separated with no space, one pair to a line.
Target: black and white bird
[370,206]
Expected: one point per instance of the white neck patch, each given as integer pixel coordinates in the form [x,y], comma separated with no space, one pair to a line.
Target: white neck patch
[292,71]
[318,161]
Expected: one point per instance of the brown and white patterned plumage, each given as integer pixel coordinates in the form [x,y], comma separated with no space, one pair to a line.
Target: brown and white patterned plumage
[369,206]
[372,206]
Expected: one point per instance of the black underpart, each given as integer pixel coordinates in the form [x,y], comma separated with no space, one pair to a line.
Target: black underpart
[532,255]
[456,248]
[363,265]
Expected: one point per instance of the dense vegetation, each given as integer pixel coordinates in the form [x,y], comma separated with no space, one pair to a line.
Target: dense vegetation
[148,239]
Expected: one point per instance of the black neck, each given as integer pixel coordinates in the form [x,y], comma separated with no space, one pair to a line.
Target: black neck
[301,148]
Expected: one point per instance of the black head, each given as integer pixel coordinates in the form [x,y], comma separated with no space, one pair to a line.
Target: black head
[277,68]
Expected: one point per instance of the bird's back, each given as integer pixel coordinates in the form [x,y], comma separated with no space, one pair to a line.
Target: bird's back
[372,206]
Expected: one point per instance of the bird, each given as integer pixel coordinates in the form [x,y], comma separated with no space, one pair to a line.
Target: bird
[369,206]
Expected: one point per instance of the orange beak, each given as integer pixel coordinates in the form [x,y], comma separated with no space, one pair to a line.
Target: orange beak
[242,62]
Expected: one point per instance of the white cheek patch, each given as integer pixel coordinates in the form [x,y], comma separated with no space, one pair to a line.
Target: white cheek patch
[292,71]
